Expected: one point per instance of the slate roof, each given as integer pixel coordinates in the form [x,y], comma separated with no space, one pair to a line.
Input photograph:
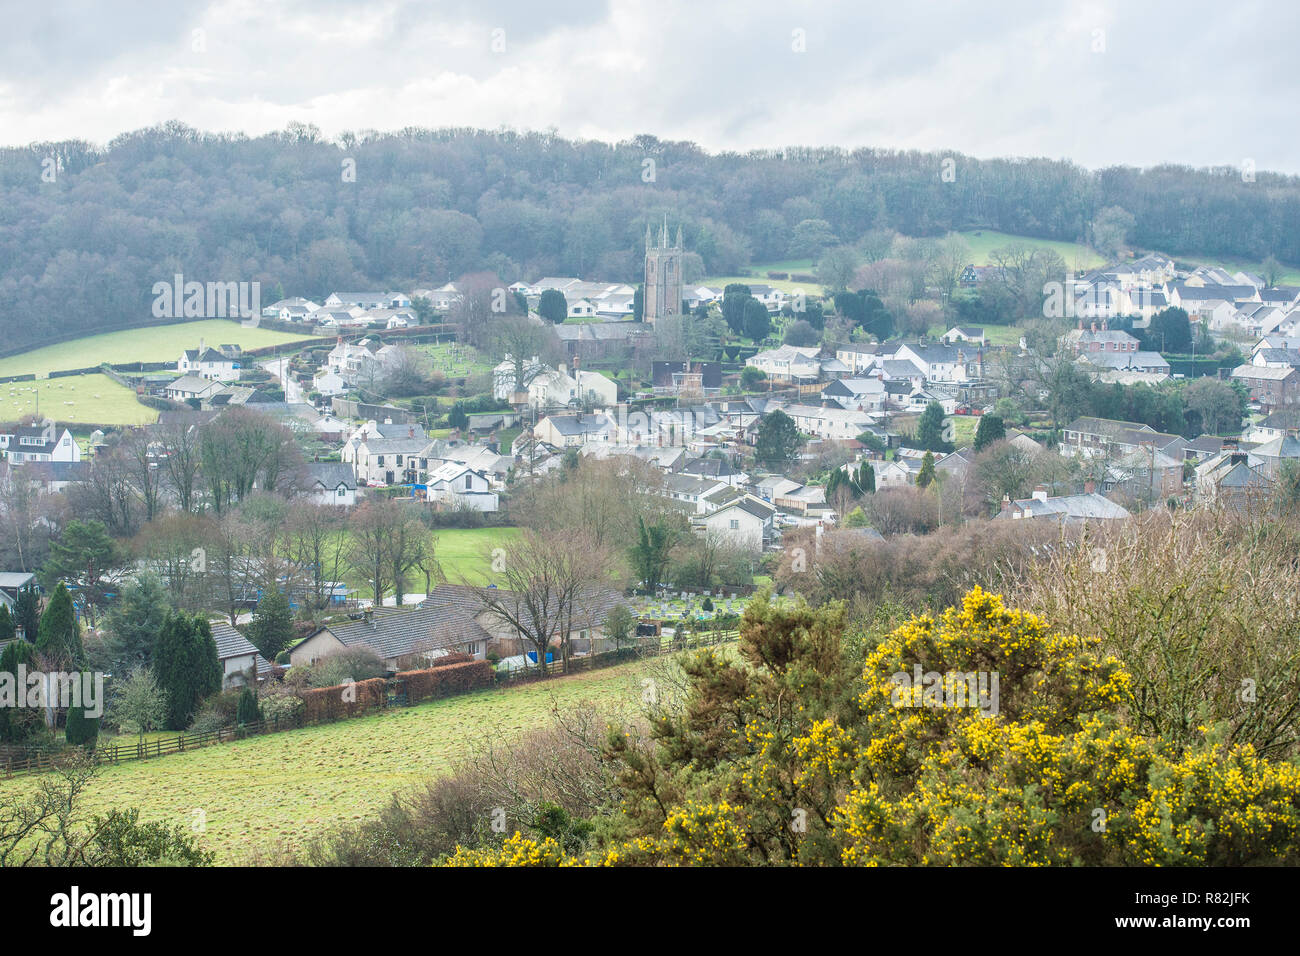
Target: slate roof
[230,643]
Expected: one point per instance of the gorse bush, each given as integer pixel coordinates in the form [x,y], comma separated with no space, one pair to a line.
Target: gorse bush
[802,751]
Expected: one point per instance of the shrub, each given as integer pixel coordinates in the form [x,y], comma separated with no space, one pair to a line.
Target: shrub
[282,707]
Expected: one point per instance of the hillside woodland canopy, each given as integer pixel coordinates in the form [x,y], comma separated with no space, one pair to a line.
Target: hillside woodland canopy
[81,252]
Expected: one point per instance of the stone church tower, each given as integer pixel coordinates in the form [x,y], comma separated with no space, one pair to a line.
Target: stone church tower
[663,275]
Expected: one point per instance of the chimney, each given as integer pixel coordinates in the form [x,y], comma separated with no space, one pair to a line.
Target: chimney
[369,615]
[410,431]
[1094,326]
[1006,502]
[1104,325]
[1040,492]
[200,346]
[1089,486]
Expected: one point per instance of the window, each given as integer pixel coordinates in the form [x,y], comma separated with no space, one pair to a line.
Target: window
[735,525]
[343,490]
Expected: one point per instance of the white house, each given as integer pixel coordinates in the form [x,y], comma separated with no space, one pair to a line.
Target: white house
[330,483]
[208,364]
[461,487]
[745,524]
[39,442]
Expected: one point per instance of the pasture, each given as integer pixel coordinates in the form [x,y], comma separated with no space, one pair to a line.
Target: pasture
[279,789]
[74,399]
[159,343]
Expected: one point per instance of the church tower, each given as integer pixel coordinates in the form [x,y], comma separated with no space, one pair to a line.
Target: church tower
[663,275]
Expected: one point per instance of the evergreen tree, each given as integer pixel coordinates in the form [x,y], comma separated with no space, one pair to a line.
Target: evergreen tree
[929,432]
[991,428]
[866,479]
[7,627]
[777,441]
[247,712]
[925,477]
[27,613]
[16,723]
[187,667]
[135,622]
[59,635]
[272,625]
[552,306]
[81,731]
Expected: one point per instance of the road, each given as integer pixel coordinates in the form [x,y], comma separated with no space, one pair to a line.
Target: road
[292,390]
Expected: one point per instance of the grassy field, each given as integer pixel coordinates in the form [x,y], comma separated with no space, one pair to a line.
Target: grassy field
[964,427]
[984,241]
[461,552]
[263,792]
[155,344]
[76,398]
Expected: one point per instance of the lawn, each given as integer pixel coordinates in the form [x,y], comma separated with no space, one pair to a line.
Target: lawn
[157,343]
[281,788]
[76,398]
[759,278]
[983,241]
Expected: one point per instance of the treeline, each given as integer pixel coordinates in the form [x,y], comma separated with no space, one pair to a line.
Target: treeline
[86,231]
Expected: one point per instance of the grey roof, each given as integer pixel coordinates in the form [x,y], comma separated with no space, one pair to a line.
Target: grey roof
[230,643]
[1071,507]
[329,475]
[15,579]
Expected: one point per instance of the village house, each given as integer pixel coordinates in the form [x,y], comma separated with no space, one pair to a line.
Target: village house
[37,442]
[239,659]
[212,364]
[746,524]
[1088,507]
[1271,387]
[330,483]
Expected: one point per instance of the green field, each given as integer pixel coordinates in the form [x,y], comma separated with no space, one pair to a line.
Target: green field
[76,398]
[158,343]
[462,552]
[263,792]
[983,241]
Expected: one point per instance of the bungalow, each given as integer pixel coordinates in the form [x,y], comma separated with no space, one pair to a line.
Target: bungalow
[1088,507]
[570,431]
[11,582]
[965,333]
[237,656]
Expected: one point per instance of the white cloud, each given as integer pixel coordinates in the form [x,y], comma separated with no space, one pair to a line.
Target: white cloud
[1180,82]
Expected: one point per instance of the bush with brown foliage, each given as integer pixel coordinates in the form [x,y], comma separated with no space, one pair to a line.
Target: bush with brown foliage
[345,700]
[1203,608]
[442,681]
[917,571]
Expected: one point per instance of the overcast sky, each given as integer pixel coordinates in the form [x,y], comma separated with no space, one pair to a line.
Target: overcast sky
[1137,82]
